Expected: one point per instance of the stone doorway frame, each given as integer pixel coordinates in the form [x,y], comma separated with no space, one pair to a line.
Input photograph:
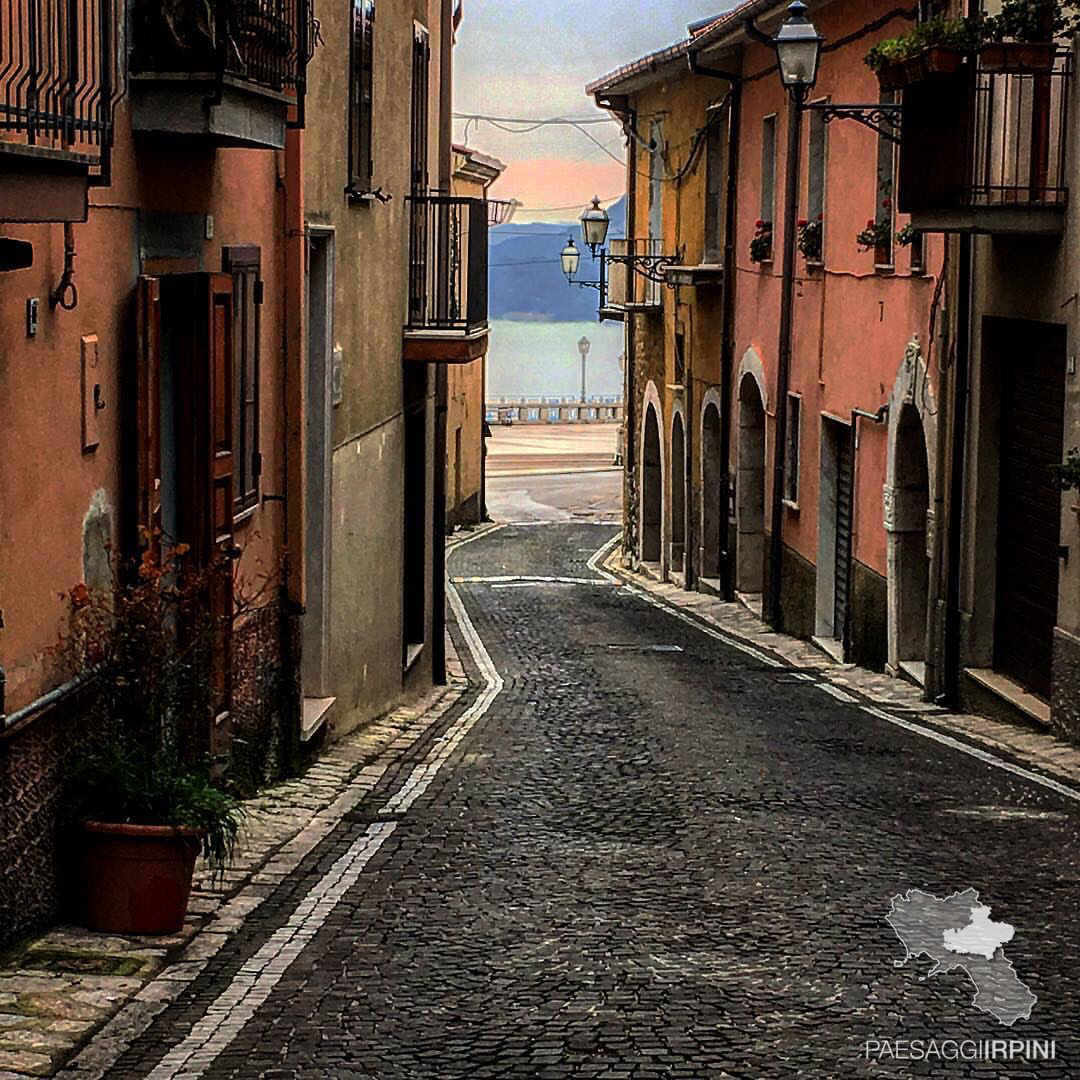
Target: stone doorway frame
[676,552]
[712,543]
[912,388]
[651,527]
[750,542]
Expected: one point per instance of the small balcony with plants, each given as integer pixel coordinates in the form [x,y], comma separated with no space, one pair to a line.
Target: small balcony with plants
[448,279]
[226,72]
[984,118]
[60,82]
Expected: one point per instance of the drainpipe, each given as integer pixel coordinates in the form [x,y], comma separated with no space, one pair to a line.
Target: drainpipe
[783,355]
[878,417]
[689,542]
[950,695]
[438,540]
[727,348]
[631,495]
[727,345]
[293,268]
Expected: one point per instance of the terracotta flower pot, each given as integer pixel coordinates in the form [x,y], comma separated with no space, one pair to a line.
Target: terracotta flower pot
[136,879]
[935,62]
[1018,56]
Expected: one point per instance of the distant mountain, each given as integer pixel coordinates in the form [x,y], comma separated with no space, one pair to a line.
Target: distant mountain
[526,278]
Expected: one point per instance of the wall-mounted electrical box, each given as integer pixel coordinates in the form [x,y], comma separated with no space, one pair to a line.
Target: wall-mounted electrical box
[93,399]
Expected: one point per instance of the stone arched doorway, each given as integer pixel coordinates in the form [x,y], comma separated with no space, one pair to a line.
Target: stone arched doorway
[678,493]
[652,490]
[750,489]
[910,497]
[711,493]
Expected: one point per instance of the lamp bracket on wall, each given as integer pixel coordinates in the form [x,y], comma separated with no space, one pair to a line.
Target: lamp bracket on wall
[652,267]
[883,118]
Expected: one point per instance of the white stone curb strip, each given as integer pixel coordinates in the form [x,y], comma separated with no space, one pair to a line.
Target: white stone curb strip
[255,981]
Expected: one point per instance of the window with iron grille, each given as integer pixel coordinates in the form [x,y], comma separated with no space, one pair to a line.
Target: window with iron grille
[242,262]
[361,157]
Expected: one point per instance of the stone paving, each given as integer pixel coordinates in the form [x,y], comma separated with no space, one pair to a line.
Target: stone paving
[634,849]
[59,989]
[1039,749]
[638,845]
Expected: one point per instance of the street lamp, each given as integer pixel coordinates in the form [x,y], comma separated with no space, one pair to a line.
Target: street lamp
[570,259]
[798,49]
[583,347]
[594,225]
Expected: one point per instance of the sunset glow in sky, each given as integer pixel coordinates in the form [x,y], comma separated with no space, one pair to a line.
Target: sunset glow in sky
[533,59]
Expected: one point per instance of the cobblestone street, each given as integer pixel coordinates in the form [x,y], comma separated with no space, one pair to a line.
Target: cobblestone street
[634,848]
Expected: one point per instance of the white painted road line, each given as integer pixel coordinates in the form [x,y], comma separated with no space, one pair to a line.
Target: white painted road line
[975,752]
[256,979]
[841,695]
[521,580]
[836,692]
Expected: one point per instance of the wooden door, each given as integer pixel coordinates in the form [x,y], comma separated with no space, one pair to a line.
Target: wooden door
[197,334]
[147,513]
[1031,360]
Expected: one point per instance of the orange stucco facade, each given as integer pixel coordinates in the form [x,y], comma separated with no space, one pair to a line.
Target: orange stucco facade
[170,208]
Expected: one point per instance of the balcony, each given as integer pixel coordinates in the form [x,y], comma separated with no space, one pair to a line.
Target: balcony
[626,289]
[448,280]
[984,151]
[225,72]
[59,86]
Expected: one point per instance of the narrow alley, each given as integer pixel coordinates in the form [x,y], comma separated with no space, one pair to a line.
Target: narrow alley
[633,849]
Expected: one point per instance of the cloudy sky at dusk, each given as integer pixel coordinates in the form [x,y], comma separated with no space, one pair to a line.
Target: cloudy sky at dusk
[533,59]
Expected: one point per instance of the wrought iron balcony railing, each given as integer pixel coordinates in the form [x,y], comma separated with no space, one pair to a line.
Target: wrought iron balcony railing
[448,264]
[60,78]
[986,150]
[1020,129]
[626,287]
[266,43]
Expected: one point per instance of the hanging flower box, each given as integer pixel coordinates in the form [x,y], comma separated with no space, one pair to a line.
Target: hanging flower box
[938,61]
[761,241]
[1017,57]
[808,239]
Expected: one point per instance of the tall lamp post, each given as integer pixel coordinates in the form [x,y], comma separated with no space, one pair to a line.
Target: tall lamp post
[583,347]
[798,50]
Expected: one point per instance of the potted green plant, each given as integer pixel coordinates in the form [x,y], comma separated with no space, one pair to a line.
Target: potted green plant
[761,241]
[932,49]
[905,235]
[1021,35]
[140,797]
[809,237]
[875,237]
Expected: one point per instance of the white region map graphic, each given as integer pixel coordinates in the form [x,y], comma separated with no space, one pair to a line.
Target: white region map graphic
[957,932]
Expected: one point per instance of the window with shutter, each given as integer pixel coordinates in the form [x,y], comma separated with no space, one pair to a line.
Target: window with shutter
[361,157]
[656,183]
[715,186]
[421,61]
[815,186]
[768,167]
[243,264]
[791,465]
[886,183]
